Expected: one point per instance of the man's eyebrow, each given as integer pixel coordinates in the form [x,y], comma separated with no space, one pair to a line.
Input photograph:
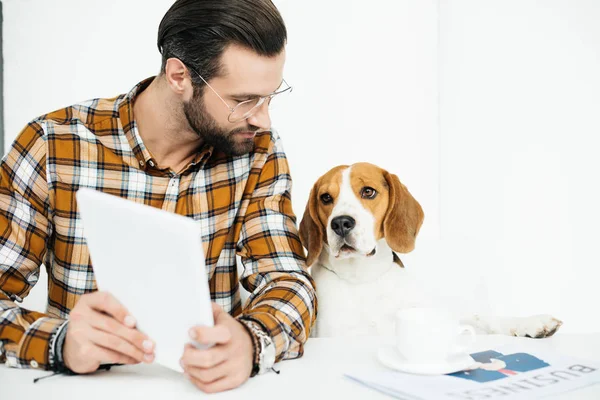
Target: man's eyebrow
[253,95]
[245,95]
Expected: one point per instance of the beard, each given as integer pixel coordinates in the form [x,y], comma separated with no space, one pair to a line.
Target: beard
[209,131]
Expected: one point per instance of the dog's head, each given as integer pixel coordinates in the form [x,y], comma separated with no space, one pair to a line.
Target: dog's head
[350,208]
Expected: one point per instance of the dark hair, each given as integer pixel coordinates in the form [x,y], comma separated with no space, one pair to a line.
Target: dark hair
[198,31]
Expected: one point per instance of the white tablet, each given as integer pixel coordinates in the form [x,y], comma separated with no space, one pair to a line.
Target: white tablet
[152,261]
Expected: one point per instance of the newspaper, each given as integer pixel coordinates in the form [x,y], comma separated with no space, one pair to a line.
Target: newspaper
[507,372]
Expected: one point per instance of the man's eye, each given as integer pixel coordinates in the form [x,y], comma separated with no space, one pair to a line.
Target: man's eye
[368,193]
[326,198]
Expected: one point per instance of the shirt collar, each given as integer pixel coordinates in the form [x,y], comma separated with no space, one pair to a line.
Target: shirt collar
[142,155]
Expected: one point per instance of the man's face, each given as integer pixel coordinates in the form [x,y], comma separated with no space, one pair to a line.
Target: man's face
[245,75]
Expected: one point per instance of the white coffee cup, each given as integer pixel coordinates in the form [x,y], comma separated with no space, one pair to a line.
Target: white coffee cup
[430,335]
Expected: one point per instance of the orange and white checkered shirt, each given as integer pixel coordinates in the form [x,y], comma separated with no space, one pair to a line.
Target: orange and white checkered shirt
[243,204]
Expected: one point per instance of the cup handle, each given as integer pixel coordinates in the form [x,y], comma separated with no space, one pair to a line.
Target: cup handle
[461,348]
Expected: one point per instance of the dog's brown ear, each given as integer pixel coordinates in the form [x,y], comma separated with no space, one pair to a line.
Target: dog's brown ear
[404,217]
[311,234]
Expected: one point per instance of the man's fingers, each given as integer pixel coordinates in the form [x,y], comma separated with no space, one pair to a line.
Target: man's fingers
[210,375]
[110,325]
[226,383]
[115,344]
[193,357]
[218,334]
[107,303]
[107,356]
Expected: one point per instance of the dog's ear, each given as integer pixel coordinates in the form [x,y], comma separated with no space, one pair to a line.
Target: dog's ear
[404,216]
[311,234]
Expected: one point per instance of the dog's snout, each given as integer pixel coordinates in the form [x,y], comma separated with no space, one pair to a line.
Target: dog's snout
[342,225]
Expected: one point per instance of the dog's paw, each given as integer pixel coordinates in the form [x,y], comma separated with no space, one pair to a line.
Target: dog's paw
[537,326]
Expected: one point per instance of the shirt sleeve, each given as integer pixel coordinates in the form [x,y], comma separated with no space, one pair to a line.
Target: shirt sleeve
[25,335]
[282,293]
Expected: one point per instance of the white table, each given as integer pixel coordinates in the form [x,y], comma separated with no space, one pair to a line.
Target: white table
[317,375]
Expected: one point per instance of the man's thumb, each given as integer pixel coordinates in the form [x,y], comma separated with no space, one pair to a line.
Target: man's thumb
[216,310]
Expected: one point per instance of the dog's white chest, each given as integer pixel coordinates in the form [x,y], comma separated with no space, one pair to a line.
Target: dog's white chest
[360,309]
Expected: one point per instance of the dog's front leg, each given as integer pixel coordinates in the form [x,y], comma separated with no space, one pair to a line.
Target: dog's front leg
[537,326]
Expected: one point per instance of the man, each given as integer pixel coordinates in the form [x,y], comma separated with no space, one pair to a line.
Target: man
[196,141]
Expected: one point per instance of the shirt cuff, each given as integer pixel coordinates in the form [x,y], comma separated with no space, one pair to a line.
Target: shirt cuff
[34,347]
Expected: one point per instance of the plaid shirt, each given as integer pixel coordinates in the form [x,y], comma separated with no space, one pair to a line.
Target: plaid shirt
[243,204]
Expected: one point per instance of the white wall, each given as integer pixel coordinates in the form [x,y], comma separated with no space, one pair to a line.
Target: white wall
[520,99]
[364,77]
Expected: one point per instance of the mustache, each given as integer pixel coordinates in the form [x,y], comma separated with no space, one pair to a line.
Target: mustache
[249,128]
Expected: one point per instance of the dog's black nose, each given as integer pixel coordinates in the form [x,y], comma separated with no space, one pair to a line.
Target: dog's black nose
[342,225]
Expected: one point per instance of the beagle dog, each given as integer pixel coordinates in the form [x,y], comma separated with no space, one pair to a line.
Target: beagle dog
[357,219]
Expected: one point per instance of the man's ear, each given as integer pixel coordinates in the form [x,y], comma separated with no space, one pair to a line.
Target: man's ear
[404,216]
[311,234]
[177,76]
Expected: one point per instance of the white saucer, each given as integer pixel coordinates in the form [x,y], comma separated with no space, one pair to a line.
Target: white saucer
[391,358]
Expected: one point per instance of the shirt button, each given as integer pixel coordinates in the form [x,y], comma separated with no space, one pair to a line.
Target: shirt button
[34,364]
[151,163]
[141,163]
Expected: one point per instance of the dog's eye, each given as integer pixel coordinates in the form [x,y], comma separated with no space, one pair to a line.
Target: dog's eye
[368,193]
[326,198]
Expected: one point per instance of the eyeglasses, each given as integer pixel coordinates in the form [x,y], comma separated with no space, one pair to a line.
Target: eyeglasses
[245,109]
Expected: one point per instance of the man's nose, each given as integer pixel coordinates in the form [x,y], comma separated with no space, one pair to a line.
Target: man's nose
[261,117]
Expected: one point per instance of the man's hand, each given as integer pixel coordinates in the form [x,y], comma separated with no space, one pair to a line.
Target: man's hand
[228,363]
[101,331]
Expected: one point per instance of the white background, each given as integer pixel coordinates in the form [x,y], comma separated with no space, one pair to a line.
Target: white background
[488,110]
